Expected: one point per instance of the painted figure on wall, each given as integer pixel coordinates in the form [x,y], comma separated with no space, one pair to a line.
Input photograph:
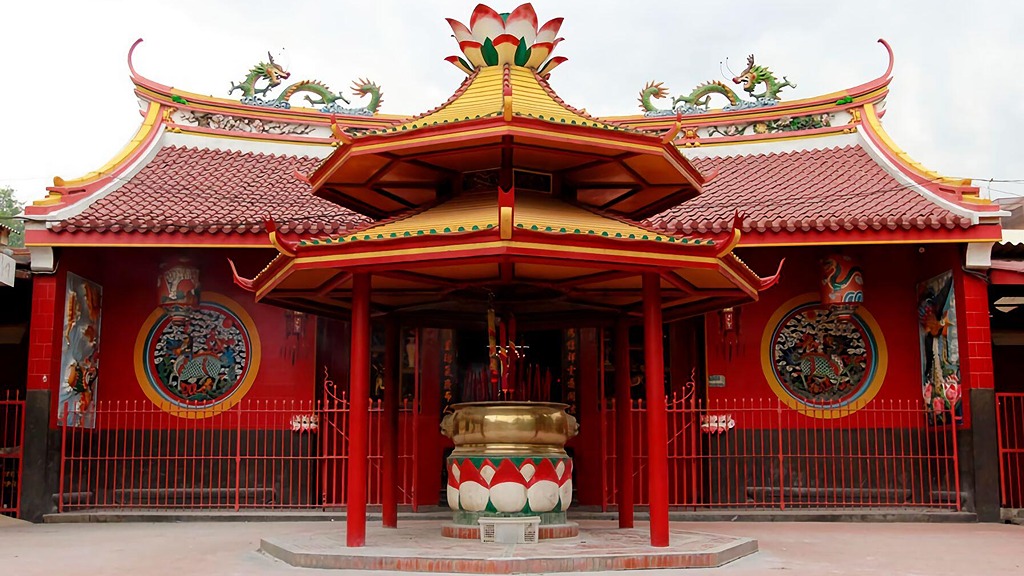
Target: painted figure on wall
[940,355]
[178,287]
[842,285]
[79,362]
[199,363]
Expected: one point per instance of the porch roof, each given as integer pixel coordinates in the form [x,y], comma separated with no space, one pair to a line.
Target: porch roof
[548,257]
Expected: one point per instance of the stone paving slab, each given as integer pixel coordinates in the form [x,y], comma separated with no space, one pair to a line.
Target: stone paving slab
[419,547]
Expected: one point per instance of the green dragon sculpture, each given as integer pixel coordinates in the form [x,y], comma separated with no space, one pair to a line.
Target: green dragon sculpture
[756,74]
[362,87]
[272,72]
[699,98]
[324,95]
[318,94]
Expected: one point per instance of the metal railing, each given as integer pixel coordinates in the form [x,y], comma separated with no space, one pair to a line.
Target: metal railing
[760,453]
[1010,427]
[12,443]
[258,454]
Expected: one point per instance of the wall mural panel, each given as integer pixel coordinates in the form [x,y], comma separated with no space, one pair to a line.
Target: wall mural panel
[823,362]
[202,366]
[940,354]
[80,350]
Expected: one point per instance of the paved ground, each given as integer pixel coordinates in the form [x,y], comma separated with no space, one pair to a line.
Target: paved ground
[790,549]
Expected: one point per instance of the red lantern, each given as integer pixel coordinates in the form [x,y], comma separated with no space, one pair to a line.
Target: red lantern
[178,286]
[842,285]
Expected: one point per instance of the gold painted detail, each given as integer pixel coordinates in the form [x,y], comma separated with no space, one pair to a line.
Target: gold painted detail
[509,427]
[872,120]
[505,229]
[485,97]
[52,198]
[535,212]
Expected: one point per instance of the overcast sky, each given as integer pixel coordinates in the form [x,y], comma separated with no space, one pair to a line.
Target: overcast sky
[956,104]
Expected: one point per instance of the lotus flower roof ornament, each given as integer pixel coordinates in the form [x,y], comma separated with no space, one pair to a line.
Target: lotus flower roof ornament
[513,38]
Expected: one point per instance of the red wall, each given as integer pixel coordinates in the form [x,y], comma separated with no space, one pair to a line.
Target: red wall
[891,275]
[128,278]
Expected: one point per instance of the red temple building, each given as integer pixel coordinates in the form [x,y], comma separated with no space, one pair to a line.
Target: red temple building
[747,302]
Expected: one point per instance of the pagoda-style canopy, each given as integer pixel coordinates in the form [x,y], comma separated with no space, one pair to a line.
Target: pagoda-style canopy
[529,250]
[506,194]
[507,115]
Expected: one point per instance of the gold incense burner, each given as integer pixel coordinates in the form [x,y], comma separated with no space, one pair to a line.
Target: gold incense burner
[509,428]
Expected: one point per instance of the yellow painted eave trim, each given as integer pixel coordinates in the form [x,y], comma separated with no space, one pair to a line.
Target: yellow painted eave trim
[148,124]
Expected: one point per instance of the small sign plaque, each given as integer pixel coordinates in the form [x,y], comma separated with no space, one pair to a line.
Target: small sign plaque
[716,381]
[7,266]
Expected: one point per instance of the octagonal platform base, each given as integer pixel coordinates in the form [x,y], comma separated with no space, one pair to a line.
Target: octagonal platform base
[418,546]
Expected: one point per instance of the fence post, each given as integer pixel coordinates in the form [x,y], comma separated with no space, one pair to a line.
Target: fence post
[782,472]
[238,456]
[956,455]
[62,422]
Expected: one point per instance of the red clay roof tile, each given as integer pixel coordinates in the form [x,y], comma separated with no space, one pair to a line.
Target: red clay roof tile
[815,190]
[204,190]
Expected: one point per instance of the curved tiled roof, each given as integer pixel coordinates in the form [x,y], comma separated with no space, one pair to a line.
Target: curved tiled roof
[202,190]
[832,189]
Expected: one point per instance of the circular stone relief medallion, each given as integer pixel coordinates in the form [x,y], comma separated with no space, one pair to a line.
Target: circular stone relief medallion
[821,364]
[200,367]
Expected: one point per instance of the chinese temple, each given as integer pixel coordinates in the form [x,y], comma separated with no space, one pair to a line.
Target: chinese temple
[724,299]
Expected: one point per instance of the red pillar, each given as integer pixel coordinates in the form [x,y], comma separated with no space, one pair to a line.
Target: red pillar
[44,333]
[623,425]
[359,406]
[657,428]
[389,471]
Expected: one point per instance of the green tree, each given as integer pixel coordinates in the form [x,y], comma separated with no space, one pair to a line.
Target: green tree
[10,206]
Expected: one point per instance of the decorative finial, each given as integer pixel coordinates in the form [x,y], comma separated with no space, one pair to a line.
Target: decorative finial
[494,39]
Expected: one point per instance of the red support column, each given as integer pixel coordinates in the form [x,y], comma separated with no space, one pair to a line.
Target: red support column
[657,427]
[359,406]
[623,425]
[389,472]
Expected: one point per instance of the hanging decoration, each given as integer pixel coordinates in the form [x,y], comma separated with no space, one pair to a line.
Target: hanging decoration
[179,291]
[294,330]
[842,285]
[729,326]
[448,372]
[570,365]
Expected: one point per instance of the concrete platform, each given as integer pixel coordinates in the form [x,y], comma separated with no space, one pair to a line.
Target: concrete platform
[419,547]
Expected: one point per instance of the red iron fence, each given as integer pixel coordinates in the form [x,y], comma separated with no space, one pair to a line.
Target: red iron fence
[762,454]
[258,454]
[1010,426]
[12,442]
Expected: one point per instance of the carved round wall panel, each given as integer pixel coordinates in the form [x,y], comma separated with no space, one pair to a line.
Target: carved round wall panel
[820,362]
[201,366]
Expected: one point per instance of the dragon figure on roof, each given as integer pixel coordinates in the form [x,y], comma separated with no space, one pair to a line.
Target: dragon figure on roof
[316,92]
[697,101]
